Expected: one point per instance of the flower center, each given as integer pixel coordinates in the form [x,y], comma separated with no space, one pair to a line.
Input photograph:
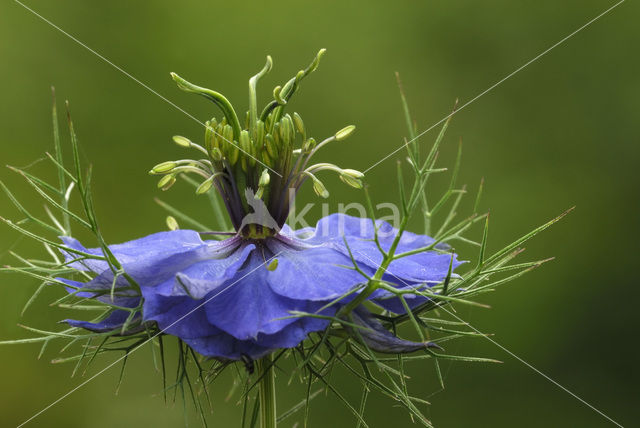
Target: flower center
[259,167]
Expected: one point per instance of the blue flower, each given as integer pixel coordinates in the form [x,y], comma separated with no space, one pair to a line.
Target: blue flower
[224,300]
[246,296]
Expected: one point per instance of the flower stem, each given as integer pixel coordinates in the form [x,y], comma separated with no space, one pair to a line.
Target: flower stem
[267,391]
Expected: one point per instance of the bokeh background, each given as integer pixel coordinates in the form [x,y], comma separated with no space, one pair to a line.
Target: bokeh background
[562,132]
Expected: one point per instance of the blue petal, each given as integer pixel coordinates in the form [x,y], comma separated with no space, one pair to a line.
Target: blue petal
[121,297]
[297,331]
[430,266]
[187,318]
[315,273]
[179,316]
[244,306]
[154,258]
[378,338]
[247,306]
[199,279]
[225,346]
[390,302]
[114,321]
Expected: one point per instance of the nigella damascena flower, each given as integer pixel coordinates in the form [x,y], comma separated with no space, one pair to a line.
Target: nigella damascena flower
[222,299]
[234,298]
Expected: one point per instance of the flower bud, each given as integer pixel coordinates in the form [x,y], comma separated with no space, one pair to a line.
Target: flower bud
[345,132]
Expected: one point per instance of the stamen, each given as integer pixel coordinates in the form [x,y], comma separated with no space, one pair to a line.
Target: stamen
[234,153]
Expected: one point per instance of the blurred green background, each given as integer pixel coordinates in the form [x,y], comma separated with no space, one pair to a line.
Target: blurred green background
[562,132]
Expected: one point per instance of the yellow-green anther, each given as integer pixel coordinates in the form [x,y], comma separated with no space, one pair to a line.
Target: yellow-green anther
[166,182]
[297,121]
[209,136]
[234,155]
[286,130]
[205,186]
[309,145]
[319,188]
[277,136]
[266,158]
[259,133]
[181,141]
[345,132]
[216,154]
[247,120]
[227,136]
[172,223]
[351,181]
[163,167]
[245,141]
[259,193]
[271,146]
[248,152]
[352,173]
[265,178]
[273,265]
[291,127]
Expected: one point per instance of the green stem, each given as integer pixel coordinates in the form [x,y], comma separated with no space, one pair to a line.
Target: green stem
[267,392]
